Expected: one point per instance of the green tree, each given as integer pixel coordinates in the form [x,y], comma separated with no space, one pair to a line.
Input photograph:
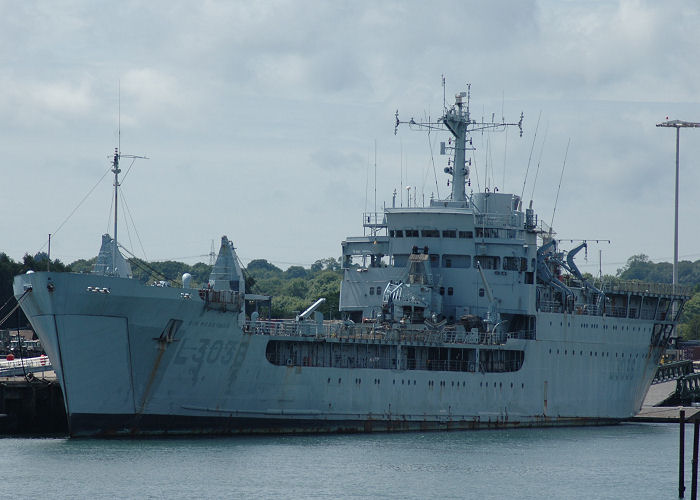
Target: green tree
[327,264]
[326,284]
[285,306]
[295,272]
[83,266]
[262,267]
[297,287]
[690,321]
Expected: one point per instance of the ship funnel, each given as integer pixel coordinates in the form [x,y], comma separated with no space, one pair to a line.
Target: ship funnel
[227,274]
[110,263]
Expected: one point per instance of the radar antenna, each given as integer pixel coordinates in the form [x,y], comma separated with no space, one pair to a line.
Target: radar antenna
[457,120]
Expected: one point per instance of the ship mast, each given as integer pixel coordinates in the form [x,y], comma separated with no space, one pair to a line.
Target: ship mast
[457,120]
[116,170]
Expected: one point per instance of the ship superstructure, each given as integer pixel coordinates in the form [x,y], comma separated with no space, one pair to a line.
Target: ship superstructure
[461,314]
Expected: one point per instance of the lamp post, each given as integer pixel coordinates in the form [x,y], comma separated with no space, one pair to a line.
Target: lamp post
[677,124]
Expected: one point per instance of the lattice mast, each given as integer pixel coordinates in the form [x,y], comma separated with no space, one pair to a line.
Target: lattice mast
[457,120]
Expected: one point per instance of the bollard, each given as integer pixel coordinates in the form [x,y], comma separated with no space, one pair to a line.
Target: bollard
[681,446]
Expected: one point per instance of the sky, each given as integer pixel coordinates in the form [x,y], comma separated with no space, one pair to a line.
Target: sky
[273,122]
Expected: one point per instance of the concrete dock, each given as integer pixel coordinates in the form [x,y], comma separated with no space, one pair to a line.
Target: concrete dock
[32,406]
[662,414]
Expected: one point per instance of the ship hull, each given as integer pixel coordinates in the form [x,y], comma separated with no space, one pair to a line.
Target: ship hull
[137,360]
[115,425]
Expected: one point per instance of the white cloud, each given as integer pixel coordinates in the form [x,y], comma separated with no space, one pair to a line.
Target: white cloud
[252,97]
[152,88]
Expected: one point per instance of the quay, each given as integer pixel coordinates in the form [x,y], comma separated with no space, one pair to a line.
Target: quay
[32,406]
[663,391]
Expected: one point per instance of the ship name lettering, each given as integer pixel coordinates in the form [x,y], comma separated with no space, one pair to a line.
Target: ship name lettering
[228,352]
[208,351]
[198,356]
[209,324]
[215,351]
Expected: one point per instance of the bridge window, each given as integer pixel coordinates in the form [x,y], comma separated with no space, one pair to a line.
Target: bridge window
[466,234]
[449,233]
[431,233]
[484,232]
[515,264]
[488,261]
[398,233]
[411,233]
[456,261]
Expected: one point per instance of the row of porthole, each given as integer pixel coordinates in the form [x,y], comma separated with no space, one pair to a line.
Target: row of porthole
[605,327]
[377,381]
[595,354]
[431,383]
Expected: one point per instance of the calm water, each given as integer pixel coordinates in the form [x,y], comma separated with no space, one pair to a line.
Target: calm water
[634,461]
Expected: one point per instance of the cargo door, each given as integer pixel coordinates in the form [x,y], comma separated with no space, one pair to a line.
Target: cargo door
[96,364]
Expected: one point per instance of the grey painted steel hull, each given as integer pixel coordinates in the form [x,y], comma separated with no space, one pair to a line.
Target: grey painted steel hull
[119,377]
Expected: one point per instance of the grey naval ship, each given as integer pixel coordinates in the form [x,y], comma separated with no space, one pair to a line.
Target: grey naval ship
[463,314]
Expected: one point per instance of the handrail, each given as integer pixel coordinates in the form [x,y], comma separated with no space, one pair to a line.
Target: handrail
[11,367]
[672,371]
[379,332]
[645,287]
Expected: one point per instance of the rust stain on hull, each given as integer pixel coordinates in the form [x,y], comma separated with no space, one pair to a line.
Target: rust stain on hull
[151,378]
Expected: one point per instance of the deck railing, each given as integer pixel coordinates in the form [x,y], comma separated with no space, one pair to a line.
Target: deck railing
[17,367]
[641,287]
[380,333]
